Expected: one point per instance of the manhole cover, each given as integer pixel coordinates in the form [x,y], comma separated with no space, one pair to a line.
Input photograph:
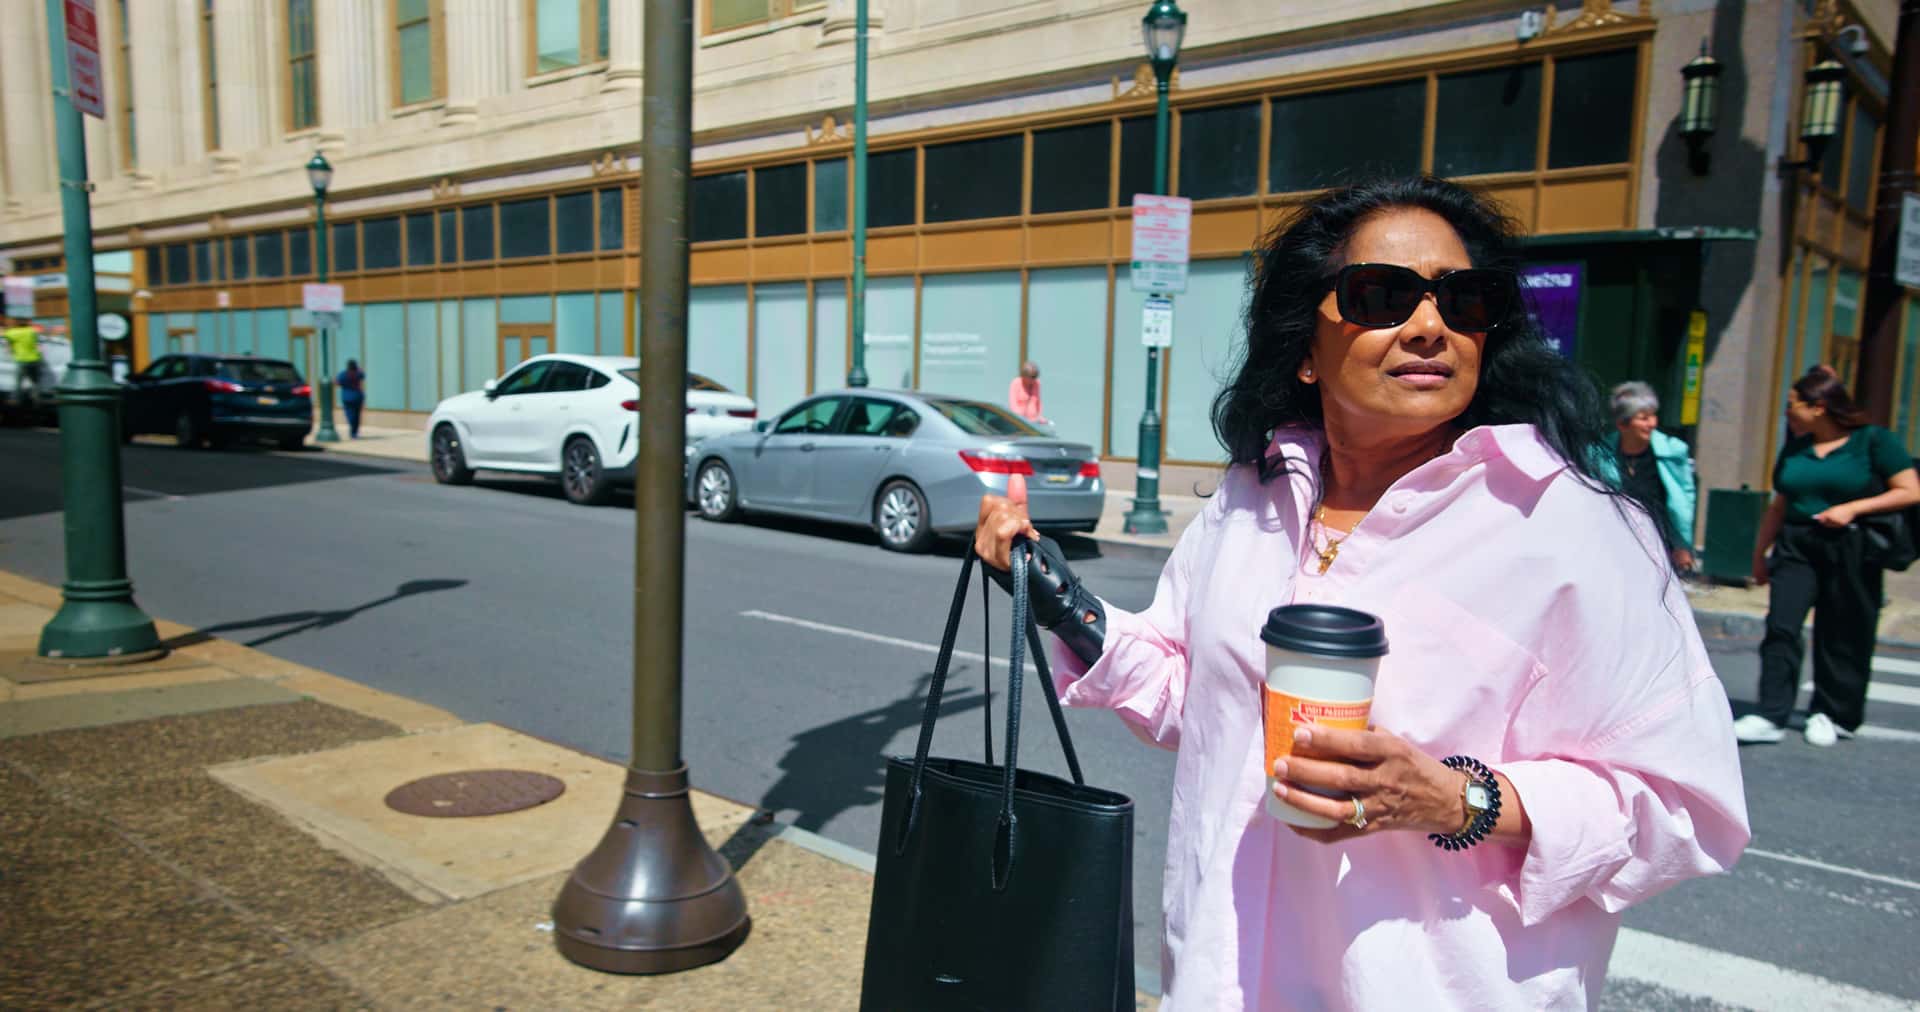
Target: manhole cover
[474,792]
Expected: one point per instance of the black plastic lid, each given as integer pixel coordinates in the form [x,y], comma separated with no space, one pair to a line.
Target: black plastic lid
[1325,629]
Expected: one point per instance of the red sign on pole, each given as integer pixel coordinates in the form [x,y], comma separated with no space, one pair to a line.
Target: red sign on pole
[83,59]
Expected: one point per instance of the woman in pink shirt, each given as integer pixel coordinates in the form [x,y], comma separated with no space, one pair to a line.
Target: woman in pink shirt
[1549,742]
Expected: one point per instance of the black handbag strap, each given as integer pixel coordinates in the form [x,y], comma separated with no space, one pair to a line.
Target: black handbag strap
[1022,621]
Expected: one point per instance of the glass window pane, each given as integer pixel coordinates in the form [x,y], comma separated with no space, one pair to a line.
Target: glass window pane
[380,243]
[299,26]
[780,200]
[416,63]
[179,265]
[1593,104]
[736,13]
[1860,142]
[449,236]
[719,207]
[1832,160]
[613,219]
[344,247]
[830,195]
[1136,158]
[203,260]
[601,42]
[524,228]
[420,239]
[556,34]
[412,10]
[240,258]
[269,256]
[1220,151]
[573,222]
[299,252]
[1313,146]
[1072,167]
[974,179]
[1487,121]
[154,274]
[890,188]
[476,232]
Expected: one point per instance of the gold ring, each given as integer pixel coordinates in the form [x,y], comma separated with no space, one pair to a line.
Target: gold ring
[1359,820]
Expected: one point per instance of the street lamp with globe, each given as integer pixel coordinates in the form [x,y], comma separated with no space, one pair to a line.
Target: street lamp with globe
[320,175]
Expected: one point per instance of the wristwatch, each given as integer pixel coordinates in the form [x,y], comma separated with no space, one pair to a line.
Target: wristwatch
[1479,796]
[1477,799]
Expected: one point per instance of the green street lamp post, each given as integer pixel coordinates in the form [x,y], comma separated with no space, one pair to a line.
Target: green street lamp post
[320,176]
[97,617]
[857,375]
[1164,27]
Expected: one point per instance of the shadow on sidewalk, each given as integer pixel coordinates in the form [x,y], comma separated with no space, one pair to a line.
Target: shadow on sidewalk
[842,765]
[303,621]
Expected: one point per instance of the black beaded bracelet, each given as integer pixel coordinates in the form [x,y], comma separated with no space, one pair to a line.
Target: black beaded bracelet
[1483,823]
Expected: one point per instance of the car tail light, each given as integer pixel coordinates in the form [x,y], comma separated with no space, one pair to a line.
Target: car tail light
[1090,469]
[630,405]
[222,386]
[303,390]
[994,463]
[744,412]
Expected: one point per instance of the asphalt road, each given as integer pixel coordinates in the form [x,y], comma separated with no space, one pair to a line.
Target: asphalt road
[808,650]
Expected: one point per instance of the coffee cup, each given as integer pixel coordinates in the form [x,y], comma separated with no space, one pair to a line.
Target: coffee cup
[1321,664]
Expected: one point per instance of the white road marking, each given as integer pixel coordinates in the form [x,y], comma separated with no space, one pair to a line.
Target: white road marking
[1885,692]
[1896,665]
[1737,980]
[168,496]
[1838,869]
[892,641]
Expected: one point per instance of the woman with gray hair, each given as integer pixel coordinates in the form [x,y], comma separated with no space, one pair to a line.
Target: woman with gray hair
[1653,467]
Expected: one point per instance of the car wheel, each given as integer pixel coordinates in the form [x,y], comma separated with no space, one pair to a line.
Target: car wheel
[449,460]
[715,492]
[186,431]
[901,518]
[581,477]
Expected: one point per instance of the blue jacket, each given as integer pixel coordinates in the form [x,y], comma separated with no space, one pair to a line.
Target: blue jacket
[1676,476]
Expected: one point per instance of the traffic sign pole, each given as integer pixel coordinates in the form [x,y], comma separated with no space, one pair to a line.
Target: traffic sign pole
[1146,516]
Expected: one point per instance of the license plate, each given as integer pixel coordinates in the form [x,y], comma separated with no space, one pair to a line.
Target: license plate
[269,400]
[1059,479]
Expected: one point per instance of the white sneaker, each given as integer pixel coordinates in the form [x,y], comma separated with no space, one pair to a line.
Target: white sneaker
[1756,730]
[1820,731]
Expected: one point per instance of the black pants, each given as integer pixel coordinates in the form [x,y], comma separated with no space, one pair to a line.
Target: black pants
[1820,568]
[352,407]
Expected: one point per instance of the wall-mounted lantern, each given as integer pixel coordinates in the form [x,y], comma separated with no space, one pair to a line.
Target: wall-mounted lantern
[1700,107]
[1820,108]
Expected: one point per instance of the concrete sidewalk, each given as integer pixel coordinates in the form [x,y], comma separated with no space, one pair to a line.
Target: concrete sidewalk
[209,830]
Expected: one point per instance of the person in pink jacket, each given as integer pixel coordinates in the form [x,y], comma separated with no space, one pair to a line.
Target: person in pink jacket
[1403,442]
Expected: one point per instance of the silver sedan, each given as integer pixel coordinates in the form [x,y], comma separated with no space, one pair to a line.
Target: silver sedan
[907,465]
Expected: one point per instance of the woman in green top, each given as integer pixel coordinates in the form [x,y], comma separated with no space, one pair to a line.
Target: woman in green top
[1834,470]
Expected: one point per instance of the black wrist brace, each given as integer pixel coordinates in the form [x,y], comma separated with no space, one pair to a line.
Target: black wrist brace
[1061,605]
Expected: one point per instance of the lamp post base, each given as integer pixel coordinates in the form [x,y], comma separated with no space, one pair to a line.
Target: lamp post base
[1146,517]
[99,621]
[653,896]
[326,432]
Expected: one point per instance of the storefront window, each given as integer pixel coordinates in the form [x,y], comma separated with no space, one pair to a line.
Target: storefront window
[1487,121]
[1072,167]
[780,200]
[179,265]
[525,228]
[420,239]
[830,195]
[974,179]
[449,236]
[1593,103]
[476,233]
[240,257]
[1220,151]
[203,260]
[1313,143]
[300,252]
[1860,145]
[1136,159]
[345,247]
[718,207]
[269,257]
[381,237]
[890,178]
[573,222]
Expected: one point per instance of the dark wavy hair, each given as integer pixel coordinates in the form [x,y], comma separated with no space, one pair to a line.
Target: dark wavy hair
[1521,379]
[1822,387]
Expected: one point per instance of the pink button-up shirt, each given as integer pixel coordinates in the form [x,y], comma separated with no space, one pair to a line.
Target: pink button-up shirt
[1529,627]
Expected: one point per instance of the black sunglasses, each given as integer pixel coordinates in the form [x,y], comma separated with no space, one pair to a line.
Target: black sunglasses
[1477,299]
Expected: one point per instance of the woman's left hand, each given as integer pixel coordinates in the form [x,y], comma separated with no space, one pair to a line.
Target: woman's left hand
[1837,516]
[1400,786]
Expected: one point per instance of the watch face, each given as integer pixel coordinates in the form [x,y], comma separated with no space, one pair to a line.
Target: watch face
[1478,798]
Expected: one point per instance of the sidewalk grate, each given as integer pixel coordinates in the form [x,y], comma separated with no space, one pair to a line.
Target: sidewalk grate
[474,792]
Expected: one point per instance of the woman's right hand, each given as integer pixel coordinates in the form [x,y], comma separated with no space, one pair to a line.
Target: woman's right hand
[1002,518]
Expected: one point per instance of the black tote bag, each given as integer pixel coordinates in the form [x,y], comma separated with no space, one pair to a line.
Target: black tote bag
[996,887]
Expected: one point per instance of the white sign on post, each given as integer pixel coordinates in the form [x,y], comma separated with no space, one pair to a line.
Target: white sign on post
[323,298]
[83,59]
[1156,322]
[1162,233]
[1906,262]
[110,326]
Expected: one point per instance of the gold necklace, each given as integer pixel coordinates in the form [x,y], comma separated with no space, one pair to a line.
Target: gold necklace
[1330,549]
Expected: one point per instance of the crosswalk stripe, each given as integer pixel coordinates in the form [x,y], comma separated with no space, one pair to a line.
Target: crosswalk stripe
[1737,980]
[1896,665]
[1883,692]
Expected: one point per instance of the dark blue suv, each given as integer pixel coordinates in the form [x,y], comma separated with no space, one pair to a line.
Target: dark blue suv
[216,399]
